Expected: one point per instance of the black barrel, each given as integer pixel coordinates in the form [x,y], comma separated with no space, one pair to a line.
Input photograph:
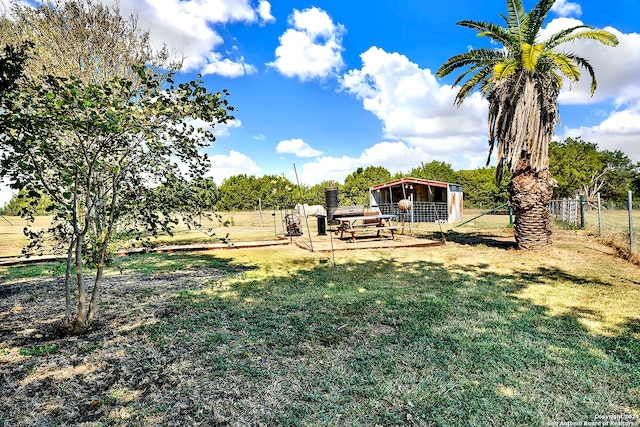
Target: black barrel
[331,199]
[322,225]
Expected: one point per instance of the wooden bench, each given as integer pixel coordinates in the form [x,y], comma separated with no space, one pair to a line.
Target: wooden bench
[368,228]
[370,221]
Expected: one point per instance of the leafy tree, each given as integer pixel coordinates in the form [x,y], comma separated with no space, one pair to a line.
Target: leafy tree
[435,171]
[85,39]
[621,173]
[575,164]
[95,149]
[480,189]
[238,192]
[12,64]
[522,81]
[205,192]
[355,191]
[580,168]
[245,192]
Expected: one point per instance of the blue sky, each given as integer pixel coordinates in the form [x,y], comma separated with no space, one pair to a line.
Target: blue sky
[332,86]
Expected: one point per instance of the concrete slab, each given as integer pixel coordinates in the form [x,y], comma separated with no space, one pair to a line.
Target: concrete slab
[332,241]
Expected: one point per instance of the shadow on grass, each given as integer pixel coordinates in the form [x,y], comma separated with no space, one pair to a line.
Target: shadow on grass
[386,339]
[368,342]
[480,238]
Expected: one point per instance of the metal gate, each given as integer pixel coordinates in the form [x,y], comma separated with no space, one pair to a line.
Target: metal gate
[566,210]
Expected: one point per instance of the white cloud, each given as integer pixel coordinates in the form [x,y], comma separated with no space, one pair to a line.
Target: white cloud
[616,68]
[224,166]
[415,107]
[619,131]
[264,11]
[188,29]
[394,156]
[312,48]
[566,8]
[618,84]
[297,147]
[226,67]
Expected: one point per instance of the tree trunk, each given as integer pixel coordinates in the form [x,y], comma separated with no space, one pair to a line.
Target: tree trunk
[81,316]
[529,196]
[67,284]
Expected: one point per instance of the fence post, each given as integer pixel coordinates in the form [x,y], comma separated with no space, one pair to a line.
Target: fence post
[582,211]
[630,203]
[599,216]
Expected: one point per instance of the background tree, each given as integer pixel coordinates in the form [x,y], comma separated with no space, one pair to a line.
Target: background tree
[21,204]
[435,171]
[576,164]
[621,173]
[522,81]
[480,189]
[355,190]
[581,168]
[82,38]
[238,192]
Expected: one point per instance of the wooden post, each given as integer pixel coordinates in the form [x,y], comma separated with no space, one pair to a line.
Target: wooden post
[599,216]
[630,204]
[582,211]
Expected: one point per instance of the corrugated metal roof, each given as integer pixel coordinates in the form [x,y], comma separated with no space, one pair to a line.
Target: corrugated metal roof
[409,180]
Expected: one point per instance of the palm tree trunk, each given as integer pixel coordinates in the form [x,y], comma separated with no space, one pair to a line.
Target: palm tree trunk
[529,196]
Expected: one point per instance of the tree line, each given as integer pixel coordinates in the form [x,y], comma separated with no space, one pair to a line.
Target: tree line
[580,167]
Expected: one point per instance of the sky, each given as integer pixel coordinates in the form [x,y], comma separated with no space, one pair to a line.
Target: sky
[322,87]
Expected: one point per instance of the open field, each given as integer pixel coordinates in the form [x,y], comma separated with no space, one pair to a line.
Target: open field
[469,333]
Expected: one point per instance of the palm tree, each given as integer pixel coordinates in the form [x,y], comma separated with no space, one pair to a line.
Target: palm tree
[522,81]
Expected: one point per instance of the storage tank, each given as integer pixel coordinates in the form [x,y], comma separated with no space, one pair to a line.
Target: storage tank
[331,199]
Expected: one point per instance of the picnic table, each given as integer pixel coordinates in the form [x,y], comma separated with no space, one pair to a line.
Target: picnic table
[352,225]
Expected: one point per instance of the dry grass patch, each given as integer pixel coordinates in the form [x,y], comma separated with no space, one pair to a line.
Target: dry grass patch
[470,333]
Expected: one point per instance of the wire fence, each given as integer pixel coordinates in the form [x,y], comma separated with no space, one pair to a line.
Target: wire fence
[616,220]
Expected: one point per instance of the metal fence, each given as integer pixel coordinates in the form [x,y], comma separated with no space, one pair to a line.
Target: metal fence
[421,212]
[567,211]
[614,219]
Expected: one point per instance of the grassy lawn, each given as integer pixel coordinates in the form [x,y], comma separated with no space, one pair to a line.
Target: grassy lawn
[470,333]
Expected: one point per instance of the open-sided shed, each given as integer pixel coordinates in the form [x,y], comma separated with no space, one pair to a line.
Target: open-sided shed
[430,201]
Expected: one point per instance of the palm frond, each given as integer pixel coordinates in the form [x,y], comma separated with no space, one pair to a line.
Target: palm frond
[537,17]
[587,66]
[479,78]
[602,36]
[530,55]
[466,73]
[557,38]
[505,68]
[566,65]
[516,13]
[471,57]
[490,30]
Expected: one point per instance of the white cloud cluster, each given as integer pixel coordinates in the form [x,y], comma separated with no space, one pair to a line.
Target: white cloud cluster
[235,163]
[311,48]
[566,8]
[297,147]
[415,107]
[618,85]
[186,27]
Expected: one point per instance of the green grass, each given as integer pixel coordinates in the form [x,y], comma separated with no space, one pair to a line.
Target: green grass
[39,350]
[472,333]
[394,340]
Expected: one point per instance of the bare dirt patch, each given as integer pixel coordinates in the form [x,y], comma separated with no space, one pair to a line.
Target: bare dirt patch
[48,376]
